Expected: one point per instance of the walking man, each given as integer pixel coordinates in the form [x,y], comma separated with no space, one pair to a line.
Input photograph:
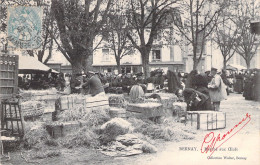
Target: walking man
[217,89]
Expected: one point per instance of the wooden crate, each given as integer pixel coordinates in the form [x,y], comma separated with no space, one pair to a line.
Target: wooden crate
[146,110]
[8,75]
[207,120]
[62,129]
[96,102]
[70,101]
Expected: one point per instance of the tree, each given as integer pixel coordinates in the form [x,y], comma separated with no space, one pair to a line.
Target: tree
[200,18]
[116,33]
[247,42]
[225,37]
[79,23]
[146,19]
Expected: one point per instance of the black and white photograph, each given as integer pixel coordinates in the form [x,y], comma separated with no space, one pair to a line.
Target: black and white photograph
[129,82]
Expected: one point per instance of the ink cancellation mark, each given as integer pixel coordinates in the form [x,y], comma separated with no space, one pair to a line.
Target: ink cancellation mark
[24,27]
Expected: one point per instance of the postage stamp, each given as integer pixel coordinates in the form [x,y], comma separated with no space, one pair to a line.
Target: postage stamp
[24,26]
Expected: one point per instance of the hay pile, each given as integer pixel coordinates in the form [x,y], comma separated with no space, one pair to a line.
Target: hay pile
[111,129]
[35,136]
[84,136]
[166,130]
[90,117]
[74,114]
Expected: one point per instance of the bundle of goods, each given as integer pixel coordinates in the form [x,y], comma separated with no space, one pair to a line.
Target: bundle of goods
[207,120]
[32,108]
[111,129]
[117,100]
[126,145]
[145,110]
[136,92]
[166,99]
[70,101]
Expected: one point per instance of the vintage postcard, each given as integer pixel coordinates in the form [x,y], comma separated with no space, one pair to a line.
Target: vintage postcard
[130,82]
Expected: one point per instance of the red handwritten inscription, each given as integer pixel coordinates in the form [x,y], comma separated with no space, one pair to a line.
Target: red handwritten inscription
[211,140]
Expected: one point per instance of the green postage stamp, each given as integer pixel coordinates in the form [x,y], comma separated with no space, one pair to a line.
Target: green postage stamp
[24,26]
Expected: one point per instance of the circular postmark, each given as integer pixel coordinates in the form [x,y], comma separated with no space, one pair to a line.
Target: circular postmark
[24,27]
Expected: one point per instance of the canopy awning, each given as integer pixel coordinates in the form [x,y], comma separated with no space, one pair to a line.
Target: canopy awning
[28,64]
[235,67]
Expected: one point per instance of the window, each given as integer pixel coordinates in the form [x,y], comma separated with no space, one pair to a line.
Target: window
[128,69]
[123,70]
[109,70]
[156,55]
[105,53]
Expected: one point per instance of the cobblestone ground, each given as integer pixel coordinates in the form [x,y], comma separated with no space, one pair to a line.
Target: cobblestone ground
[245,144]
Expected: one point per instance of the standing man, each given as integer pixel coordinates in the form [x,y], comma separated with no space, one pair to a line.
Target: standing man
[217,89]
[94,84]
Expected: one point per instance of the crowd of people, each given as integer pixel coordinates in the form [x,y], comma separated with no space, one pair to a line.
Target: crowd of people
[41,81]
[201,91]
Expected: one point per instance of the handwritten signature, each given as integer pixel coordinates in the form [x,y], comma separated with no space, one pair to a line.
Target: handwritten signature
[211,140]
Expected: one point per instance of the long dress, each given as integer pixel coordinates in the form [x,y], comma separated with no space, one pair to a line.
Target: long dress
[173,82]
[248,89]
[239,84]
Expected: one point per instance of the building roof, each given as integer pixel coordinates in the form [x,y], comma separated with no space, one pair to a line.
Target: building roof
[28,64]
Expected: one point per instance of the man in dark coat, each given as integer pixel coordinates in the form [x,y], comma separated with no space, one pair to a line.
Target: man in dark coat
[93,84]
[196,101]
[127,82]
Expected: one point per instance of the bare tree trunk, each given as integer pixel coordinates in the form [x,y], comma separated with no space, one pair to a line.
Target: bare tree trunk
[118,65]
[195,63]
[77,66]
[248,64]
[224,63]
[145,62]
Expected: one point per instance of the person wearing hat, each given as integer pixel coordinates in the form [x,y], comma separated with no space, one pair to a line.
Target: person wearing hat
[93,84]
[217,89]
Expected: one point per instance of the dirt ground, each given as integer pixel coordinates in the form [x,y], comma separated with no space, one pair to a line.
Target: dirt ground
[243,145]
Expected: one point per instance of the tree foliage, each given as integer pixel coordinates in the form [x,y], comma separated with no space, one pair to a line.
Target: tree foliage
[116,32]
[226,36]
[79,22]
[247,42]
[146,19]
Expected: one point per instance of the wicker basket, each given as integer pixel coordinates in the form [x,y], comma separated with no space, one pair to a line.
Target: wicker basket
[32,110]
